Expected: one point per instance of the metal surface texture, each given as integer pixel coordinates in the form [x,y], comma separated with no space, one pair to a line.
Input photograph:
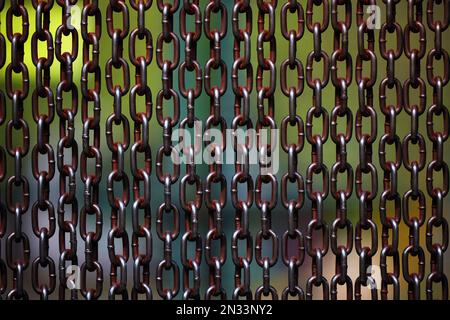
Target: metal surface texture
[353,94]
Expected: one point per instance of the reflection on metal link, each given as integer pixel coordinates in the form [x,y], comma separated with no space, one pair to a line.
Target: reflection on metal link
[277,215]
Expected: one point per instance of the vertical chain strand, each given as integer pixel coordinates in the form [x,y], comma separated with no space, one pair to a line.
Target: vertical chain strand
[317,167]
[142,259]
[118,273]
[390,224]
[67,170]
[3,211]
[17,189]
[43,148]
[265,95]
[293,149]
[438,137]
[341,139]
[366,139]
[167,150]
[216,149]
[414,54]
[242,90]
[91,152]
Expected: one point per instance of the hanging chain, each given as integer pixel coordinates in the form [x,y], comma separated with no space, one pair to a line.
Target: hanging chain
[118,148]
[216,149]
[167,150]
[317,224]
[390,223]
[17,189]
[67,170]
[3,213]
[265,95]
[414,54]
[365,138]
[292,176]
[91,123]
[43,148]
[190,150]
[343,181]
[141,145]
[341,139]
[241,122]
[437,137]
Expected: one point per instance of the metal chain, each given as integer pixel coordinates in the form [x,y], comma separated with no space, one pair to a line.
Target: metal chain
[265,99]
[3,213]
[91,123]
[317,167]
[17,145]
[414,249]
[43,148]
[142,196]
[437,137]
[293,234]
[342,181]
[341,139]
[167,150]
[118,273]
[215,204]
[390,223]
[67,170]
[365,168]
[242,121]
[190,147]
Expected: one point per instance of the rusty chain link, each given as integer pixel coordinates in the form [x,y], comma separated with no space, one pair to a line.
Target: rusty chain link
[204,188]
